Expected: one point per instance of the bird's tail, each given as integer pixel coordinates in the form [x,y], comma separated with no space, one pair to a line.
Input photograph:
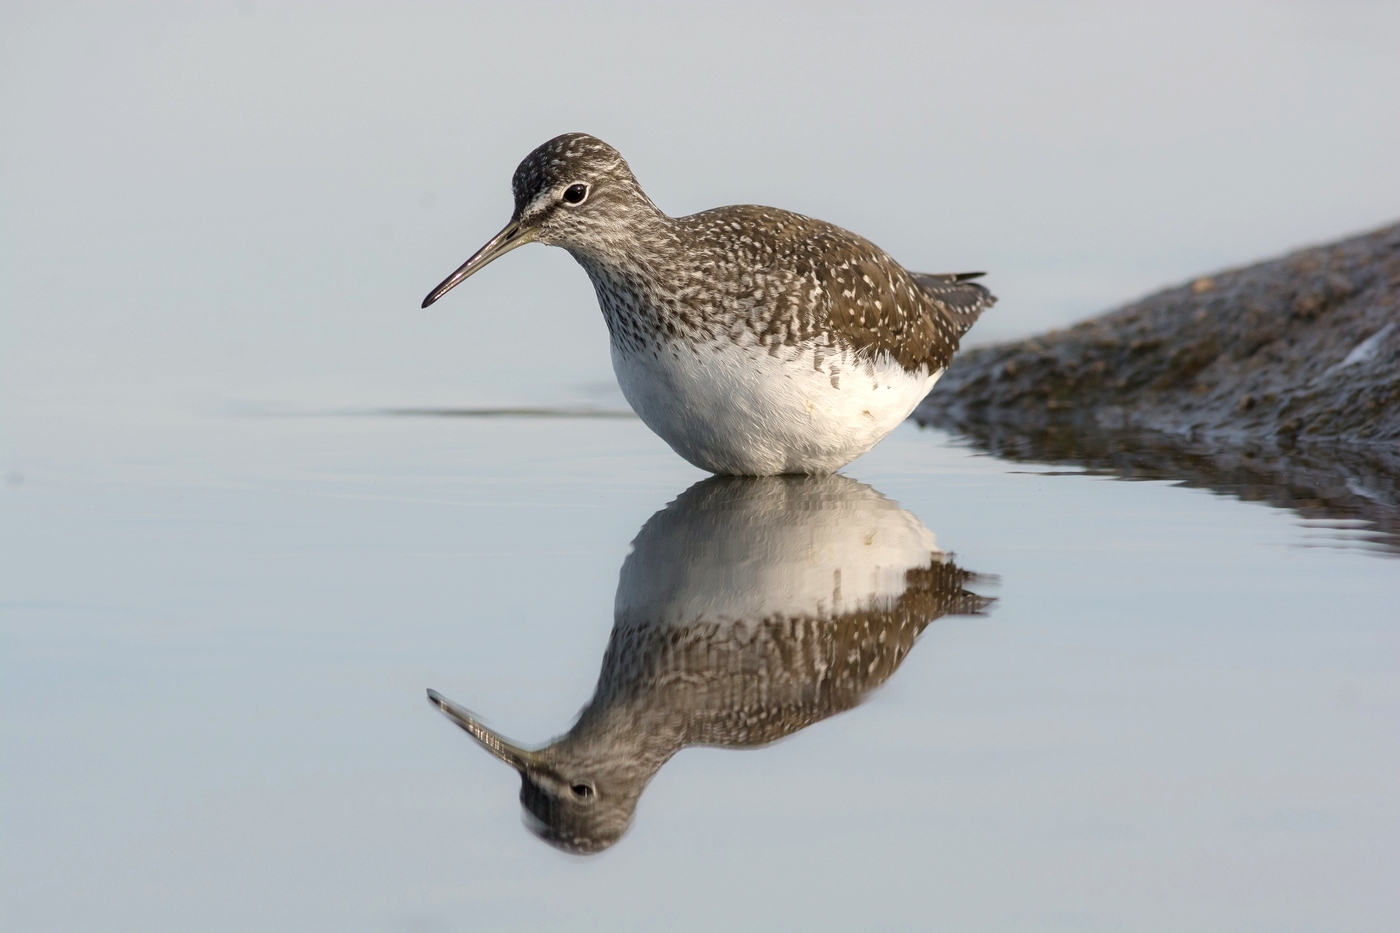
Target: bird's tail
[961,300]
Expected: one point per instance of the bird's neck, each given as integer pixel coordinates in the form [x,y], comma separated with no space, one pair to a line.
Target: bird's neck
[635,248]
[635,275]
[622,738]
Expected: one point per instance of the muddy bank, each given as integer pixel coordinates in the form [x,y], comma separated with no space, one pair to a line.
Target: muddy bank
[1301,349]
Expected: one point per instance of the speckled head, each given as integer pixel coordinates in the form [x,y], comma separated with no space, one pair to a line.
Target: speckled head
[574,191]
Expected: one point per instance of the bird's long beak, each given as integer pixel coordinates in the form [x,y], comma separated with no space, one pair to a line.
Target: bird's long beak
[512,754]
[515,234]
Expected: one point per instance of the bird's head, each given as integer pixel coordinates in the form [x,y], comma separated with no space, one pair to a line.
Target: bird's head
[576,797]
[574,191]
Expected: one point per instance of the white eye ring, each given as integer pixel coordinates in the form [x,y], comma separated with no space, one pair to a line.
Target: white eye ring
[575,194]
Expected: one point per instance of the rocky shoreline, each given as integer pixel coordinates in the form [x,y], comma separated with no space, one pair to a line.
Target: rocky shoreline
[1305,348]
[1279,382]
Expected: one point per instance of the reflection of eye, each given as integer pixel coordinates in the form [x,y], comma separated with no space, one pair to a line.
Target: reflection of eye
[582,790]
[575,194]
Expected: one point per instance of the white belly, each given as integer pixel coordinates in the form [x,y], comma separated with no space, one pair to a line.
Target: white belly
[742,410]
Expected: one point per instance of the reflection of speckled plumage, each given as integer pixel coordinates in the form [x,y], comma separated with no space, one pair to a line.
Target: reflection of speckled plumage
[750,684]
[748,610]
[753,340]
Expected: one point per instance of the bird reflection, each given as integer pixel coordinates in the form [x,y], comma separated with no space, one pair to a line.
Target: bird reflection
[748,609]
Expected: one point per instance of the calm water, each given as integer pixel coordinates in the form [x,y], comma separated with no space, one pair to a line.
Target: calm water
[1175,710]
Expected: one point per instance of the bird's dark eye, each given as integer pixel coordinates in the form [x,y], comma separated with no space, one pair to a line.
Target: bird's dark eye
[574,194]
[581,790]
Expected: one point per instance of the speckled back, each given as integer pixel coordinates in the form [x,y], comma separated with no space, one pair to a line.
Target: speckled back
[764,276]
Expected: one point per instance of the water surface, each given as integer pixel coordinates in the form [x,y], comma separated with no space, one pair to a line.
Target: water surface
[1179,712]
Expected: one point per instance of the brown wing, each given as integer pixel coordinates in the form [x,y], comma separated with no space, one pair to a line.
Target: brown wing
[875,305]
[792,278]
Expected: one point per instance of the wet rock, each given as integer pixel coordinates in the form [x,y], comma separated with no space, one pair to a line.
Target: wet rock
[1298,350]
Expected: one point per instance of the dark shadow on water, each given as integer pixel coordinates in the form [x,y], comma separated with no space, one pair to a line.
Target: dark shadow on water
[748,610]
[1351,495]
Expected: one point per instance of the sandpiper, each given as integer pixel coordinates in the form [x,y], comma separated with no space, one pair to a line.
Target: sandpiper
[753,340]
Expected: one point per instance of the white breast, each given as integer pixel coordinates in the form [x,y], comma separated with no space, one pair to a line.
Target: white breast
[735,409]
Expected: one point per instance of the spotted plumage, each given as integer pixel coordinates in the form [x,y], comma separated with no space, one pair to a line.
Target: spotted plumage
[752,339]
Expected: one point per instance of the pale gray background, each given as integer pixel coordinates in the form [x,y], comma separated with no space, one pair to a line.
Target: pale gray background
[246,202]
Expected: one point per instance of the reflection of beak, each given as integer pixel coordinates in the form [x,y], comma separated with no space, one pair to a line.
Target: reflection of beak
[515,234]
[513,755]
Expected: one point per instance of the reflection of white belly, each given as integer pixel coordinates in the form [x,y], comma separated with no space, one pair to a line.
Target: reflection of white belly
[733,409]
[735,550]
